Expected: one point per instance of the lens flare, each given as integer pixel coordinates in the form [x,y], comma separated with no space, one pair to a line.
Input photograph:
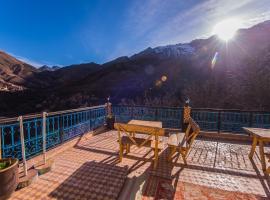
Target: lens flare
[164,78]
[158,83]
[214,60]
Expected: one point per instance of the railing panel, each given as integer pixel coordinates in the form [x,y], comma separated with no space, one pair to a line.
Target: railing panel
[170,117]
[60,127]
[261,120]
[11,140]
[207,120]
[82,122]
[97,117]
[53,131]
[74,125]
[234,121]
[33,144]
[123,113]
[144,113]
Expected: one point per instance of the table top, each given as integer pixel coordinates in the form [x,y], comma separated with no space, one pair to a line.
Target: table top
[156,124]
[260,132]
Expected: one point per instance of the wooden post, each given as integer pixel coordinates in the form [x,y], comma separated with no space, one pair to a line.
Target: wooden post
[44,114]
[20,119]
[186,115]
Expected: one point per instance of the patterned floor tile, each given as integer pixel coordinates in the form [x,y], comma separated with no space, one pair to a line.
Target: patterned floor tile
[91,170]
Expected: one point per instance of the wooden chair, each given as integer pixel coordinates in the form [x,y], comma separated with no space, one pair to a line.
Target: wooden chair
[268,157]
[126,138]
[182,142]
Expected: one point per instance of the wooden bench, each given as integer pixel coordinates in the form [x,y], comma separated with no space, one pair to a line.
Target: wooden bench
[267,155]
[182,142]
[127,138]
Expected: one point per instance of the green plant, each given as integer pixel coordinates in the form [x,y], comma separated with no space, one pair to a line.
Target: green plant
[110,116]
[4,164]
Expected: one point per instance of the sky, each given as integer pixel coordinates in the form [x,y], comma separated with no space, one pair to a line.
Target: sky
[65,32]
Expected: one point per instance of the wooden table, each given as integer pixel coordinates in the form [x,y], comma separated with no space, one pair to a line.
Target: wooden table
[260,136]
[146,123]
[155,124]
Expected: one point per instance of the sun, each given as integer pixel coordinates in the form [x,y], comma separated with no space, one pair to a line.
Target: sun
[226,29]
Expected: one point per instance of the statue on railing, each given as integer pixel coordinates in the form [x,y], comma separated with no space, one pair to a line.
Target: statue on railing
[186,115]
[110,119]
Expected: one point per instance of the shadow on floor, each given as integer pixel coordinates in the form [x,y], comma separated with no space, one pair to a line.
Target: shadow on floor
[92,181]
[153,179]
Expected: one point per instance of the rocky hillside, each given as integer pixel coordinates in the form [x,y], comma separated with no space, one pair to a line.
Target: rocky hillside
[13,73]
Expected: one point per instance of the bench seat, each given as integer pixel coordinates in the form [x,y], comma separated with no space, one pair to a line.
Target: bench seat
[182,142]
[177,139]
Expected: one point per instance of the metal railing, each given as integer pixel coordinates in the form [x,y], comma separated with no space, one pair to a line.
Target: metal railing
[170,117]
[60,127]
[64,125]
[217,120]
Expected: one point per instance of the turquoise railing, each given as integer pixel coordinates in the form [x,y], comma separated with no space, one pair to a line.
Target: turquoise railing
[170,117]
[65,125]
[216,120]
[60,127]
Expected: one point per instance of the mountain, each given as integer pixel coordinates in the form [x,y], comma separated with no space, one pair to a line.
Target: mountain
[164,75]
[47,68]
[14,73]
[65,75]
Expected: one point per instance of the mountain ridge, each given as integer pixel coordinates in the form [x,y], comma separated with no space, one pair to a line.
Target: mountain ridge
[164,75]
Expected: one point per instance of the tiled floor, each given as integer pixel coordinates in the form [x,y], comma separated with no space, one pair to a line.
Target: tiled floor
[219,165]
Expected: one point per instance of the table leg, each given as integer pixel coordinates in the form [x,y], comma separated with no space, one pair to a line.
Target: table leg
[156,152]
[253,147]
[262,155]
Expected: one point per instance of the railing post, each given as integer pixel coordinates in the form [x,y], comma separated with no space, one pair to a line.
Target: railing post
[61,128]
[186,115]
[20,119]
[110,119]
[89,115]
[156,114]
[108,106]
[132,112]
[219,121]
[44,115]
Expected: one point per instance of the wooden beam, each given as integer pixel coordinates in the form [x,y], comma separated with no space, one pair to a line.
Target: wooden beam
[20,119]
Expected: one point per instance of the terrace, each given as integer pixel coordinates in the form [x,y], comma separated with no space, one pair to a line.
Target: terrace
[86,163]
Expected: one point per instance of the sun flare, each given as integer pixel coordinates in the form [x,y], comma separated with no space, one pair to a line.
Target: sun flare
[226,29]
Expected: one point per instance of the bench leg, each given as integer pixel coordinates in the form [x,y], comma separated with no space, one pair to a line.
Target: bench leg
[128,148]
[156,153]
[171,153]
[268,170]
[184,158]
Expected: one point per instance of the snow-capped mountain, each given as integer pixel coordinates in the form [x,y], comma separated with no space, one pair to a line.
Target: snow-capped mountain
[175,50]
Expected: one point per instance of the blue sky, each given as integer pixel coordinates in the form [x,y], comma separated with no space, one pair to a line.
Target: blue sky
[64,32]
